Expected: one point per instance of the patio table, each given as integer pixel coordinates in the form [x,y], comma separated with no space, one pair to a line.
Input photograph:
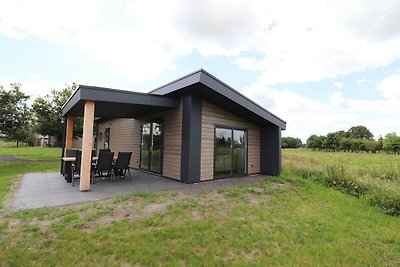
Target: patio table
[68,166]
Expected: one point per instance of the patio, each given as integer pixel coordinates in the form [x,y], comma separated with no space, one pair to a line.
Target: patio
[38,190]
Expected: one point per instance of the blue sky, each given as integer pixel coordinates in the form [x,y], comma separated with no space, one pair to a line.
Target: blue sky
[320,65]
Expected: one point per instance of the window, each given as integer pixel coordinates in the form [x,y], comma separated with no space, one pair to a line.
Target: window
[230,152]
[107,138]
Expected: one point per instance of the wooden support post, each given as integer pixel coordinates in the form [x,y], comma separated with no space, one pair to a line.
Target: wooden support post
[87,142]
[69,133]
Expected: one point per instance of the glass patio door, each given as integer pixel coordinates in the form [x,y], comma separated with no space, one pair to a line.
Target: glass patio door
[155,152]
[151,147]
[230,152]
[239,152]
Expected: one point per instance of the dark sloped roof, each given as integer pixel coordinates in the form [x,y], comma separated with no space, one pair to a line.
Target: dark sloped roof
[120,103]
[114,103]
[214,88]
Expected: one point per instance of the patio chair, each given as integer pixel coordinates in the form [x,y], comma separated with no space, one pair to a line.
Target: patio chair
[68,153]
[104,150]
[122,164]
[100,152]
[76,169]
[104,164]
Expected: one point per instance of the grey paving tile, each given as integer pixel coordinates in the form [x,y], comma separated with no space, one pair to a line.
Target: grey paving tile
[39,190]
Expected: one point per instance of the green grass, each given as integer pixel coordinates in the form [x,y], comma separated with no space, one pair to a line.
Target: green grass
[375,177]
[380,162]
[5,144]
[43,159]
[280,221]
[33,153]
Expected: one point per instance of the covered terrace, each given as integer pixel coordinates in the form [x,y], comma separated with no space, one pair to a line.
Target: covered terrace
[92,102]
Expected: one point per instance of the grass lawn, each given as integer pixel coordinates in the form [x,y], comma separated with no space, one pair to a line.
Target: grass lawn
[5,144]
[42,160]
[280,221]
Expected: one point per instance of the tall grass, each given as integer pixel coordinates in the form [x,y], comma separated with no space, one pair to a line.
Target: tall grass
[375,178]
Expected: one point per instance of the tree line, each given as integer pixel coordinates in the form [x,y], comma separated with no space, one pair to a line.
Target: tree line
[20,122]
[356,139]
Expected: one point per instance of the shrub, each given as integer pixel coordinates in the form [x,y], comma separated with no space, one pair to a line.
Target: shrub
[386,200]
[337,178]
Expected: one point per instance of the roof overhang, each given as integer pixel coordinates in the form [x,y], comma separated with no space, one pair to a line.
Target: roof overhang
[221,94]
[112,103]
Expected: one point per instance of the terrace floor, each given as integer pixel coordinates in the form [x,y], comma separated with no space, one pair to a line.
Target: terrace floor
[38,190]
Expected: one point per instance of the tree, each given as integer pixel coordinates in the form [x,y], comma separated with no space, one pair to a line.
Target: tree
[360,132]
[357,144]
[15,116]
[332,141]
[315,142]
[391,143]
[371,145]
[291,142]
[341,134]
[49,120]
[379,145]
[345,144]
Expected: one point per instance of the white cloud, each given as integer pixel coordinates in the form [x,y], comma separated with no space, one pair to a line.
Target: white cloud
[360,82]
[32,84]
[295,41]
[338,84]
[390,86]
[337,99]
[140,39]
[306,116]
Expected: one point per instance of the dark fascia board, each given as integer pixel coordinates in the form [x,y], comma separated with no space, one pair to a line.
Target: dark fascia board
[177,84]
[202,76]
[217,85]
[93,93]
[71,102]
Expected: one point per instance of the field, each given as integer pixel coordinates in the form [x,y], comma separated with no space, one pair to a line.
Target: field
[296,219]
[371,177]
[4,144]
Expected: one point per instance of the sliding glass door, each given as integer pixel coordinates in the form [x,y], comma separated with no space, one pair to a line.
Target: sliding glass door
[239,152]
[151,147]
[230,152]
[156,148]
[223,143]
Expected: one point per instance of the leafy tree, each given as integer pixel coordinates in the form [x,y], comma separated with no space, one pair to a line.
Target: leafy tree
[360,132]
[391,143]
[341,134]
[15,115]
[291,142]
[48,113]
[345,144]
[331,141]
[315,142]
[379,145]
[357,145]
[371,145]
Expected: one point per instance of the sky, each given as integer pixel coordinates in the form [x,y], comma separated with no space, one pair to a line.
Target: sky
[321,66]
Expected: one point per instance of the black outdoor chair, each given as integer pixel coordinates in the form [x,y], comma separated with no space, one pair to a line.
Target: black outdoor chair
[122,164]
[104,164]
[104,150]
[76,167]
[68,153]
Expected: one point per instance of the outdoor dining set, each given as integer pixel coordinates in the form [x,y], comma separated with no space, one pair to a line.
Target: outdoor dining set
[105,165]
